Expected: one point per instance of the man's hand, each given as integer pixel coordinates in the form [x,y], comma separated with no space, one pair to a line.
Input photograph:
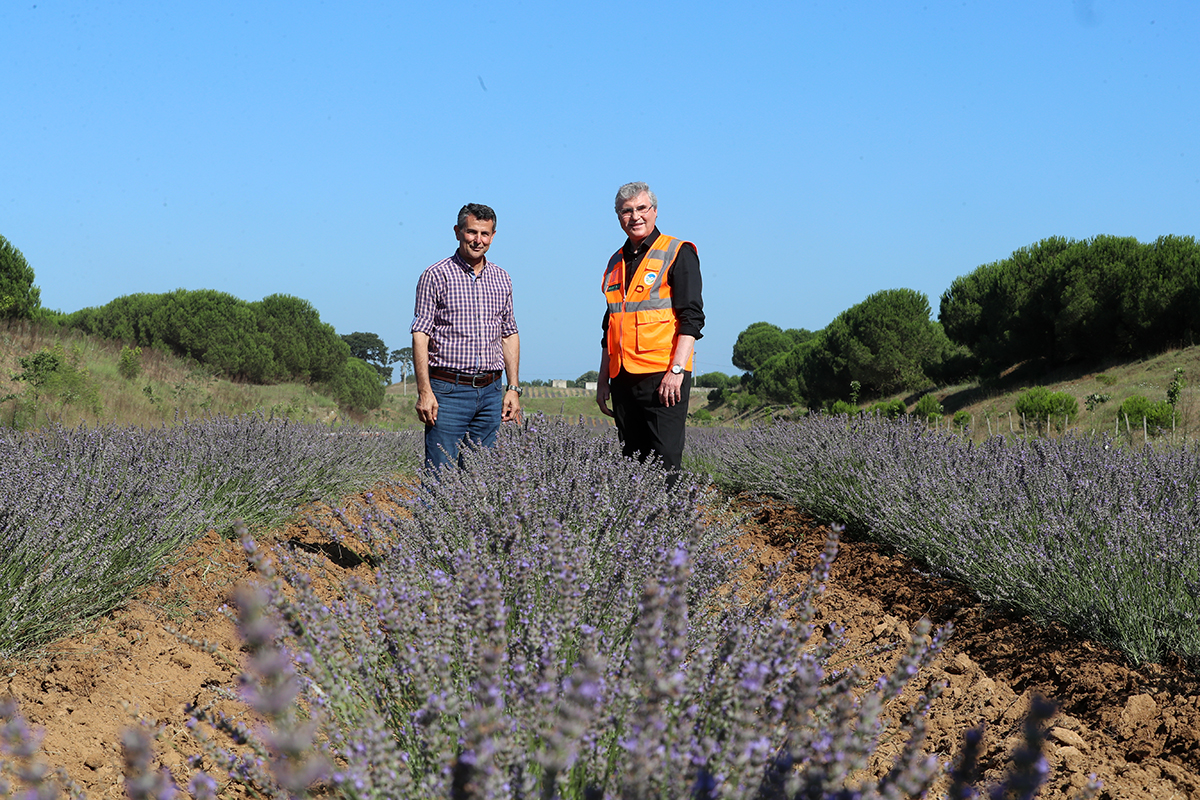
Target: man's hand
[602,394]
[512,407]
[670,391]
[427,408]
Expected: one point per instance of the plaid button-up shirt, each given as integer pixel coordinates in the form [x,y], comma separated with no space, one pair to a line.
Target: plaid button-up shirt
[464,316]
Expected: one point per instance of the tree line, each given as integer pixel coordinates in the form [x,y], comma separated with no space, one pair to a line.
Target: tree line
[1054,302]
[1063,301]
[279,338]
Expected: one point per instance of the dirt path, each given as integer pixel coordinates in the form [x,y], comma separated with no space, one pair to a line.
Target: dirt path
[1138,729]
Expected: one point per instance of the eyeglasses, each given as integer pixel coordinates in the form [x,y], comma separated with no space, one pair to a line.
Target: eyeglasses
[627,213]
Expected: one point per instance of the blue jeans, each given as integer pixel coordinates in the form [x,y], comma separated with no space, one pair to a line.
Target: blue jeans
[464,413]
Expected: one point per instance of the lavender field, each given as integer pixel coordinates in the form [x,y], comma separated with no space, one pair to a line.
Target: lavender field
[1076,530]
[89,514]
[549,622]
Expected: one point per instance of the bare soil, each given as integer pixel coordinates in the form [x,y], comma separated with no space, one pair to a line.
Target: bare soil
[1138,729]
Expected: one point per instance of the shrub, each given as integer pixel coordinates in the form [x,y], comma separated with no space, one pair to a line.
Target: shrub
[1094,399]
[928,408]
[130,364]
[356,387]
[892,409]
[713,380]
[1038,404]
[1175,388]
[702,415]
[56,375]
[842,407]
[962,419]
[1156,416]
[745,401]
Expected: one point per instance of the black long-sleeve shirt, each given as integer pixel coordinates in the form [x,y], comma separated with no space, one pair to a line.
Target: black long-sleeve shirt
[683,278]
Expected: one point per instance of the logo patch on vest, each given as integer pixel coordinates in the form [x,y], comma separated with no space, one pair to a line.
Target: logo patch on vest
[650,278]
[612,287]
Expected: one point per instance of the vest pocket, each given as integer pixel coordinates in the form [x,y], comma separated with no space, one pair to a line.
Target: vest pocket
[654,335]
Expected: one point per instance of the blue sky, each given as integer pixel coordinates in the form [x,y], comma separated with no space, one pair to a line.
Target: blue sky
[815,152]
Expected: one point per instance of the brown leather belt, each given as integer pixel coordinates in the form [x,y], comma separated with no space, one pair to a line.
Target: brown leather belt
[476,380]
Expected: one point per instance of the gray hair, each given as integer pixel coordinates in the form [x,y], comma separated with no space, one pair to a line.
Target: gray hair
[632,190]
[478,211]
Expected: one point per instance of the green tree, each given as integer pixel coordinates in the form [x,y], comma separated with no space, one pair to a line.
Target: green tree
[1005,312]
[1062,300]
[403,358]
[357,387]
[887,342]
[278,338]
[38,370]
[1176,387]
[583,380]
[19,298]
[129,366]
[762,341]
[780,378]
[304,347]
[1093,274]
[1160,297]
[370,348]
[220,331]
[713,380]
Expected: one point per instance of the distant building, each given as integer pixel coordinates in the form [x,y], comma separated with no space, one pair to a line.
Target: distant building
[558,384]
[589,386]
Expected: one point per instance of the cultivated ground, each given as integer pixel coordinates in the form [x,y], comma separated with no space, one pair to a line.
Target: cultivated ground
[1138,729]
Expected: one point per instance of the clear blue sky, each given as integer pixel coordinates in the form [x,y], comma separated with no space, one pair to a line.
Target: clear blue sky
[816,152]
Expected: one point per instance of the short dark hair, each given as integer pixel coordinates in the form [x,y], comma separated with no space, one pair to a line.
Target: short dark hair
[478,211]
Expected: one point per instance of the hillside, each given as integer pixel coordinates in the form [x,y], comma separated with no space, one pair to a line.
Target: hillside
[168,387]
[992,407]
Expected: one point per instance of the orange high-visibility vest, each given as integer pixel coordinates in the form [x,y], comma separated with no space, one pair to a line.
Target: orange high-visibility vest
[642,327]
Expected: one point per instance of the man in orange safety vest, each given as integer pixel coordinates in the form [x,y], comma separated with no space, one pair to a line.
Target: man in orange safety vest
[654,316]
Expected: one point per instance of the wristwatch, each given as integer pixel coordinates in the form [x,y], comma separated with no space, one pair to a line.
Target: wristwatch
[676,369]
[513,387]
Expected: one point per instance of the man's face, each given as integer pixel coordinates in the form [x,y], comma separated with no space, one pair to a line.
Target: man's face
[638,217]
[474,238]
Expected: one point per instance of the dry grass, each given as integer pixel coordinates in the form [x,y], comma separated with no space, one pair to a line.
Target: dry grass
[167,388]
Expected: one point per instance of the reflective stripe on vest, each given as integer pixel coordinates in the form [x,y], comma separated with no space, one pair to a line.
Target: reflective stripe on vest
[642,327]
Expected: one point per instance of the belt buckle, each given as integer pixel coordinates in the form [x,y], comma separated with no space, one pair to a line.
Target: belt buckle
[479,377]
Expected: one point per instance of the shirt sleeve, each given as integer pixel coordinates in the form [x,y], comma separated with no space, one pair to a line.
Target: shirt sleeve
[686,291]
[508,320]
[426,305]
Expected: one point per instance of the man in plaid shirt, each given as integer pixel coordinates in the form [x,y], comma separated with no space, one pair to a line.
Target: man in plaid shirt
[464,335]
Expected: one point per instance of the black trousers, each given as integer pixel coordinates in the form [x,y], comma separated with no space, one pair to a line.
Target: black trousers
[646,426]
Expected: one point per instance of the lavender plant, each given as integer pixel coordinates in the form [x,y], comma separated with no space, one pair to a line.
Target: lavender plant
[507,654]
[551,623]
[455,684]
[1071,530]
[22,773]
[88,514]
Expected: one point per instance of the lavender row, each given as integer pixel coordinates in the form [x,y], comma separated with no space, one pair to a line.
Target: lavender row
[1075,530]
[553,621]
[88,514]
